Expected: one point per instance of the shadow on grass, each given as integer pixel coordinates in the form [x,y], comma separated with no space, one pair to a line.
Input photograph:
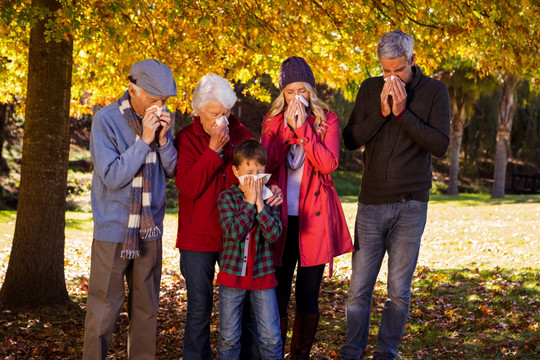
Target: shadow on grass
[455,314]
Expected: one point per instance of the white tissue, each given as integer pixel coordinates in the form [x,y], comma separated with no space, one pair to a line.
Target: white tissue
[267,193]
[302,100]
[392,78]
[159,110]
[221,120]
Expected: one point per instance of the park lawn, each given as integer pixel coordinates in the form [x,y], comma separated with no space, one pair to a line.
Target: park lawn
[475,293]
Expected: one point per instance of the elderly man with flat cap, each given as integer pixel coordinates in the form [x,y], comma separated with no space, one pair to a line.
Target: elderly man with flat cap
[133,152]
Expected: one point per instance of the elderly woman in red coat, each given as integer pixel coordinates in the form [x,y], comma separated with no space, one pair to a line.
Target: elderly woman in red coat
[302,138]
[204,170]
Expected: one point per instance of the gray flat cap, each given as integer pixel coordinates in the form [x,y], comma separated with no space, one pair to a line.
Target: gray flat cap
[153,77]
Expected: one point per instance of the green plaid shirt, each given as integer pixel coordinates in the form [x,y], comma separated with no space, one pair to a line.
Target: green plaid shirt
[240,218]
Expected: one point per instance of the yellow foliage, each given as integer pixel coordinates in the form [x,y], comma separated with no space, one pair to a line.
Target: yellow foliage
[242,39]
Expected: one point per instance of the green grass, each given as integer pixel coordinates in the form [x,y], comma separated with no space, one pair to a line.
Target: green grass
[7,226]
[77,153]
[79,221]
[347,183]
[481,199]
[475,293]
[455,314]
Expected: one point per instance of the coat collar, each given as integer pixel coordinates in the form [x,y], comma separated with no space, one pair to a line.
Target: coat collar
[417,76]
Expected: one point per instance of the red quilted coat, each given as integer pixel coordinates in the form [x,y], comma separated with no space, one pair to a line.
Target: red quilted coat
[201,175]
[323,230]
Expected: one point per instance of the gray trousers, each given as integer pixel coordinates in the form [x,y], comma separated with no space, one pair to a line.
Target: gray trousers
[106,293]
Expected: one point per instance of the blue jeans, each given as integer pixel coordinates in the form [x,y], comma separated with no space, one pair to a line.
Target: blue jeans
[198,270]
[395,228]
[231,310]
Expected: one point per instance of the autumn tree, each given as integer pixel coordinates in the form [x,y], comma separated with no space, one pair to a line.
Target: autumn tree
[35,274]
[504,40]
[236,39]
[464,87]
[500,38]
[13,53]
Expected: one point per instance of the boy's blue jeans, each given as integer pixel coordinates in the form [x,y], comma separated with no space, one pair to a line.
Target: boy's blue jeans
[231,310]
[396,229]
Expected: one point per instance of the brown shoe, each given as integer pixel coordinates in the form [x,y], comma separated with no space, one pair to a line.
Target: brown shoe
[305,327]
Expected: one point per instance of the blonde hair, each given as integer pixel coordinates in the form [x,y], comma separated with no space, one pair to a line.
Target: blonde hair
[317,107]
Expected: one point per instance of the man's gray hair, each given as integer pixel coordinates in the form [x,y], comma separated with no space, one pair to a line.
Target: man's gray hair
[137,88]
[212,87]
[395,44]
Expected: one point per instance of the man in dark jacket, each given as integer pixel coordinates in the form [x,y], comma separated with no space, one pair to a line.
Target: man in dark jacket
[402,118]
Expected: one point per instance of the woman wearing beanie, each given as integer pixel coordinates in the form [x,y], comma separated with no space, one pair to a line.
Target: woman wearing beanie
[302,138]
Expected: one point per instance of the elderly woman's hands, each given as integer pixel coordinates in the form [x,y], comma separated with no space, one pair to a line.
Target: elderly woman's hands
[277,197]
[219,137]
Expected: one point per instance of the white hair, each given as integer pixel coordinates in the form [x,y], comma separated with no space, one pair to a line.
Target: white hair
[395,44]
[212,87]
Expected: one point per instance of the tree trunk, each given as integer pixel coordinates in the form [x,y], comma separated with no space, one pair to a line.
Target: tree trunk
[504,128]
[35,274]
[456,138]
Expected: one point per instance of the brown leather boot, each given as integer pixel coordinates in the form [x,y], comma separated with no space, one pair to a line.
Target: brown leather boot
[283,326]
[305,327]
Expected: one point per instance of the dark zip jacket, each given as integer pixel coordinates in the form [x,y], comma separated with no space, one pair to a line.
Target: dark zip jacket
[397,154]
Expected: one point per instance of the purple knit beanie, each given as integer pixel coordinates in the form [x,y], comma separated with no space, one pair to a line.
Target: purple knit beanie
[295,69]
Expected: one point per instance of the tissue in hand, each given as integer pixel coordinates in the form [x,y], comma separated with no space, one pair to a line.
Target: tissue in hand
[266,191]
[159,110]
[221,120]
[302,99]
[392,78]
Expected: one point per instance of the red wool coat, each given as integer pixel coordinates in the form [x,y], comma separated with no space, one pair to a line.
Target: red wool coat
[201,175]
[323,232]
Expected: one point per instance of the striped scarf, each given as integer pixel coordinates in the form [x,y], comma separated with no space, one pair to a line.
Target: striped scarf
[141,223]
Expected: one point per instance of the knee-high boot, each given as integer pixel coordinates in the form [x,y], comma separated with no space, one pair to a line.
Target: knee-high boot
[283,326]
[305,327]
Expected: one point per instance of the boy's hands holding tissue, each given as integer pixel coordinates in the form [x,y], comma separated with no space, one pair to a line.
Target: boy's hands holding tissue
[253,191]
[259,202]
[249,189]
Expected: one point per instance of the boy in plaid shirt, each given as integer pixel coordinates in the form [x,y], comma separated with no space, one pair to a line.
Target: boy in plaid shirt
[246,267]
